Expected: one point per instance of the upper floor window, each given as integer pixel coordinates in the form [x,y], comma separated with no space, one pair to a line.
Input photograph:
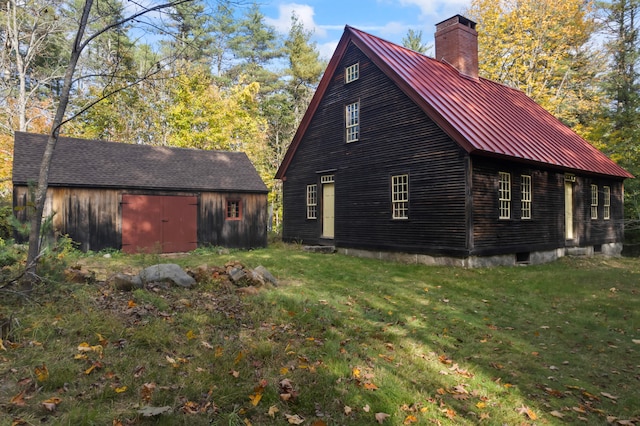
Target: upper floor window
[234,210]
[353,121]
[312,201]
[352,73]
[606,195]
[504,195]
[400,196]
[594,201]
[525,197]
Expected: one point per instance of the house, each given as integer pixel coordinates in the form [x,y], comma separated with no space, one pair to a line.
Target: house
[400,155]
[144,198]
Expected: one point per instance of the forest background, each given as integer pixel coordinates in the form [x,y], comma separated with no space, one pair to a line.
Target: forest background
[216,75]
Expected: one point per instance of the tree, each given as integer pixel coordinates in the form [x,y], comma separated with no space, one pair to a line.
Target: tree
[223,27]
[542,48]
[190,29]
[81,41]
[413,41]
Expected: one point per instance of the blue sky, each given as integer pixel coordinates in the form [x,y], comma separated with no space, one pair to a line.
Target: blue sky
[389,19]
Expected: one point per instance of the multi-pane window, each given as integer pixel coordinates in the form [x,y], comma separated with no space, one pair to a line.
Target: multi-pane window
[594,201]
[525,197]
[352,73]
[234,210]
[400,196]
[504,195]
[606,194]
[353,121]
[312,201]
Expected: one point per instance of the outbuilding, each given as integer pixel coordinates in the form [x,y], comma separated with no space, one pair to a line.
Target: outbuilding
[144,198]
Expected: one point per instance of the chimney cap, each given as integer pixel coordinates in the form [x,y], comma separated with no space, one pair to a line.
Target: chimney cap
[456,19]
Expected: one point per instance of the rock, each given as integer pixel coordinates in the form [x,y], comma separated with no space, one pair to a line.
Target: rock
[266,275]
[167,272]
[79,276]
[124,282]
[236,275]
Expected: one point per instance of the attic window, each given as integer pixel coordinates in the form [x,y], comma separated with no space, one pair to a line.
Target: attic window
[352,73]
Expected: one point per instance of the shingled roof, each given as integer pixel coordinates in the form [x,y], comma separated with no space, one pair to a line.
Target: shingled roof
[93,163]
[483,117]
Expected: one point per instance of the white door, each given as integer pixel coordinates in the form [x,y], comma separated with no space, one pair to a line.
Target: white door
[328,210]
[568,210]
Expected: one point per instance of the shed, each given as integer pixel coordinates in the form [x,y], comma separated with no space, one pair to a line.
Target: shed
[144,198]
[406,156]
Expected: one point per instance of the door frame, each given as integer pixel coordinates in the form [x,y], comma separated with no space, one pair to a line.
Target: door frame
[328,206]
[569,225]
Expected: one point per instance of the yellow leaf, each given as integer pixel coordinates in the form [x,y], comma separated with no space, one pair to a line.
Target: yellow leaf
[131,304]
[80,356]
[191,335]
[218,352]
[370,386]
[356,373]
[42,374]
[410,419]
[247,422]
[284,370]
[255,398]
[238,358]
[103,342]
[481,405]
[121,389]
[2,346]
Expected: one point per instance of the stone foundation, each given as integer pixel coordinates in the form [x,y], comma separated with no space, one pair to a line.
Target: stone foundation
[530,258]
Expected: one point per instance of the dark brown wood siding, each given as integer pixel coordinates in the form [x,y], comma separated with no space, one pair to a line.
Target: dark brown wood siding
[93,217]
[250,231]
[396,137]
[546,228]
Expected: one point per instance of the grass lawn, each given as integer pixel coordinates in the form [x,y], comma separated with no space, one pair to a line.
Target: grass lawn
[340,341]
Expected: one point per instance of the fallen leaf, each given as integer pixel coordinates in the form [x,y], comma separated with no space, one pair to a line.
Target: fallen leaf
[294,419]
[366,408]
[636,341]
[347,410]
[206,344]
[557,414]
[218,352]
[131,304]
[528,412]
[147,391]
[51,404]
[191,335]
[272,411]
[2,346]
[42,374]
[370,386]
[238,358]
[121,389]
[608,395]
[356,373]
[319,423]
[410,419]
[18,399]
[381,417]
[255,398]
[481,405]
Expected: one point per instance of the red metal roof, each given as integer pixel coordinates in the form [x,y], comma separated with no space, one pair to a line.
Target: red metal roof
[483,117]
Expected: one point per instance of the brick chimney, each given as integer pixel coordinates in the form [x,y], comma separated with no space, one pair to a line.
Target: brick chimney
[457,44]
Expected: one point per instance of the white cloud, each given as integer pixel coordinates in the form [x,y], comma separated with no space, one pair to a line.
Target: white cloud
[326,49]
[305,15]
[437,8]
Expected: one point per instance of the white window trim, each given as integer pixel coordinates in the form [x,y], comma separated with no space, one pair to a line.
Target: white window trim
[526,191]
[400,197]
[352,73]
[312,201]
[504,195]
[606,194]
[352,116]
[594,201]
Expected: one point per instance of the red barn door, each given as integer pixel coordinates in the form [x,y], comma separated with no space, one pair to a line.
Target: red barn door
[159,224]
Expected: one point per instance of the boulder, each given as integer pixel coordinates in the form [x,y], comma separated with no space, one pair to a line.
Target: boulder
[167,272]
[236,275]
[266,276]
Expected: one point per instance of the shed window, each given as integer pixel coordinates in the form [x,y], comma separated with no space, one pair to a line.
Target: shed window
[504,195]
[353,121]
[312,201]
[594,201]
[352,73]
[606,195]
[400,196]
[525,197]
[234,210]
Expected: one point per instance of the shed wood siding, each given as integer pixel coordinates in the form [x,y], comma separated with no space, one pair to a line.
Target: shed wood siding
[86,215]
[248,232]
[405,141]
